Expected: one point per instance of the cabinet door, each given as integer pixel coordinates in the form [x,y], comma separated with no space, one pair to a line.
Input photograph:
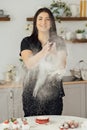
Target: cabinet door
[6,104]
[86,98]
[74,100]
[18,108]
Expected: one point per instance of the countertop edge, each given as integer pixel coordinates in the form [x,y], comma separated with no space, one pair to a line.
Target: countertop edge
[75,82]
[18,85]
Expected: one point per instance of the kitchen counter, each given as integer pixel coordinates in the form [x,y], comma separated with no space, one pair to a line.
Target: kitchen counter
[10,85]
[11,94]
[75,82]
[15,84]
[72,80]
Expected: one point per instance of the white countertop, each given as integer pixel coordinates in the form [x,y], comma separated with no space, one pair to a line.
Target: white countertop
[54,123]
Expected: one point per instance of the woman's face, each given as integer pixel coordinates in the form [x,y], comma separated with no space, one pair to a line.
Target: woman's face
[43,22]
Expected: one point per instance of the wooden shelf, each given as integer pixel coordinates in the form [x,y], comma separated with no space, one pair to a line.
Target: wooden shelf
[64,18]
[73,18]
[29,19]
[79,41]
[4,19]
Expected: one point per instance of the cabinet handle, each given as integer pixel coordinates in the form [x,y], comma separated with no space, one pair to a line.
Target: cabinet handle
[11,94]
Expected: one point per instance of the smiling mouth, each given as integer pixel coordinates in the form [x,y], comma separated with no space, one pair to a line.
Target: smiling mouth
[43,26]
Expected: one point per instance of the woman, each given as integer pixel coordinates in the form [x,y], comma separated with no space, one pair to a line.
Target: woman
[43,89]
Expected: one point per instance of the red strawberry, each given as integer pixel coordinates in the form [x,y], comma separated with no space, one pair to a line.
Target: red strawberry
[6,121]
[15,122]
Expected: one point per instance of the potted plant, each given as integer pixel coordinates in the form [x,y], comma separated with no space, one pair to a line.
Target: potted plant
[85,31]
[86,27]
[80,33]
[11,73]
[60,8]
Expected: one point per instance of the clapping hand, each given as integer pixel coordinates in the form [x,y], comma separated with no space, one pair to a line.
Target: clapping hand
[50,47]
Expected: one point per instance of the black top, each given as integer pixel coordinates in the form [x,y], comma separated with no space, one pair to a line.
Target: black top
[48,100]
[29,43]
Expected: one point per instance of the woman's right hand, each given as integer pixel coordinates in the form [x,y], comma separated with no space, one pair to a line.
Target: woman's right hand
[46,49]
[49,48]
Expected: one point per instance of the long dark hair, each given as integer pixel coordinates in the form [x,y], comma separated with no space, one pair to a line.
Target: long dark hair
[53,26]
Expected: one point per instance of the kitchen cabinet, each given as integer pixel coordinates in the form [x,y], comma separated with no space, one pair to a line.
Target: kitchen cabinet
[10,103]
[6,103]
[86,98]
[74,100]
[17,102]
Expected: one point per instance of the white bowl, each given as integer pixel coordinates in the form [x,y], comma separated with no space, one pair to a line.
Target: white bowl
[85,35]
[84,74]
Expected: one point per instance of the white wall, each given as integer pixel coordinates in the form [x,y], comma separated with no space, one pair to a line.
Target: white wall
[12,32]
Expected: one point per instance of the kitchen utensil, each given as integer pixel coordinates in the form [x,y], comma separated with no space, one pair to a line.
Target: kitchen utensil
[74,10]
[84,70]
[76,73]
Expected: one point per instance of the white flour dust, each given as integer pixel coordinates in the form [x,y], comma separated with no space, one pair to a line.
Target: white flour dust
[49,68]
